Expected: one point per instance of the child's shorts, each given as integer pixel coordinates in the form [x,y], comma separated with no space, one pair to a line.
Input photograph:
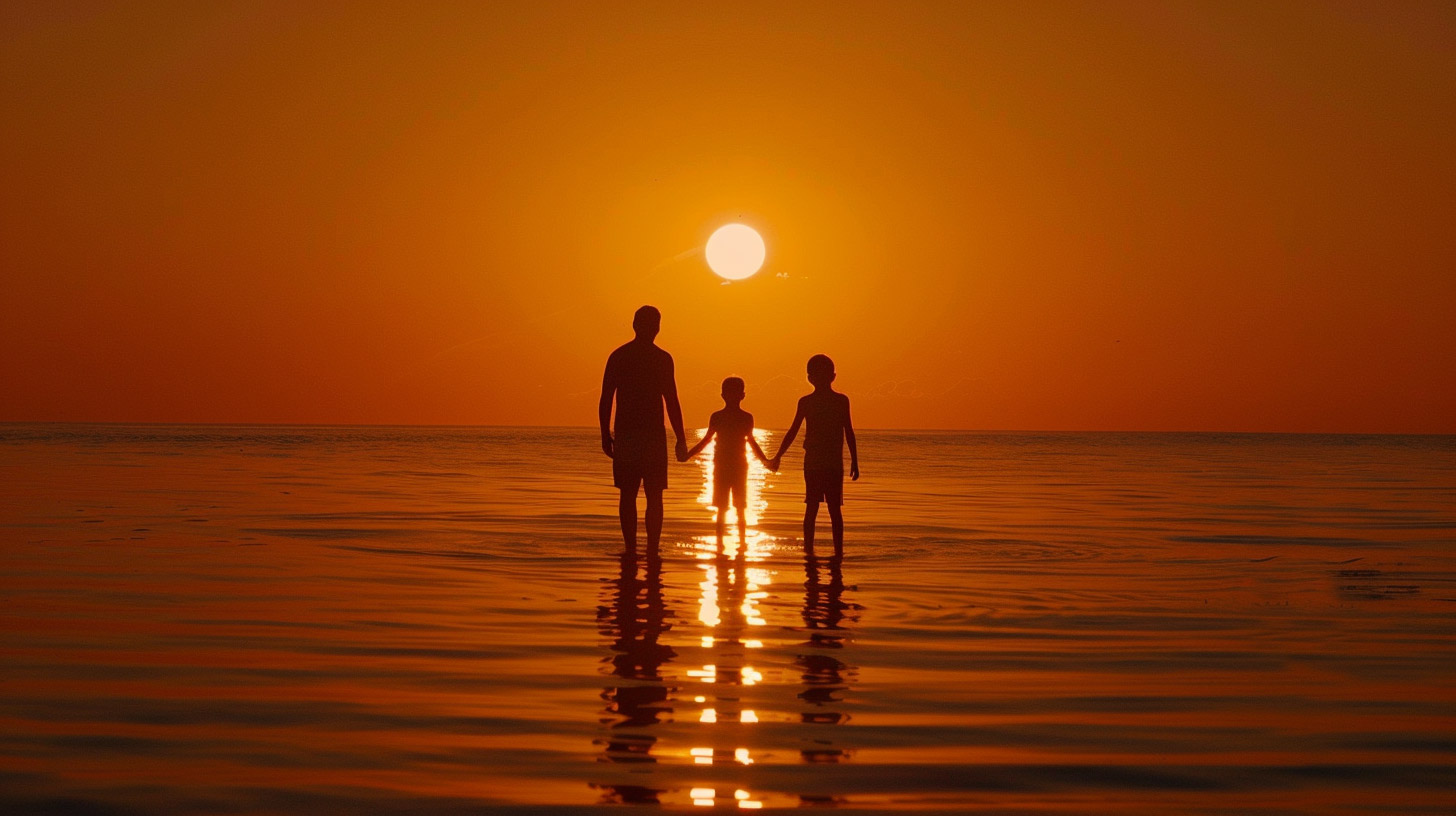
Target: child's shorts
[734,483]
[824,486]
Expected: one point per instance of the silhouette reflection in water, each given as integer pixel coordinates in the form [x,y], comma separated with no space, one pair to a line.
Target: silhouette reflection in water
[728,607]
[824,674]
[729,677]
[752,690]
[635,618]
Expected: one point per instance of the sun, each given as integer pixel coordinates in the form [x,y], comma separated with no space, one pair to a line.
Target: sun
[735,251]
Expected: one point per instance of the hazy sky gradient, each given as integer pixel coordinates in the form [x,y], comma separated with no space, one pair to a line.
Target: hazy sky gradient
[1004,216]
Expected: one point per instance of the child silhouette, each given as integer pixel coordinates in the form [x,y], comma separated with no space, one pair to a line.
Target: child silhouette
[827,413]
[733,427]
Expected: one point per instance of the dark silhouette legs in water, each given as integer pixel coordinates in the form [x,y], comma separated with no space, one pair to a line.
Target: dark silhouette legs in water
[722,528]
[627,512]
[836,527]
[811,573]
[654,519]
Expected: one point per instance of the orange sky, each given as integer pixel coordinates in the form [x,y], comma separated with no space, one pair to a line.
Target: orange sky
[1003,216]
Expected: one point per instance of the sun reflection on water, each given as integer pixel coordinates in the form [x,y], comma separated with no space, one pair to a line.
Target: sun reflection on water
[733,583]
[759,545]
[757,656]
[709,797]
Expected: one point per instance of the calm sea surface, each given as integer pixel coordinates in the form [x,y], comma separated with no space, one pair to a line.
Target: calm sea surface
[203,619]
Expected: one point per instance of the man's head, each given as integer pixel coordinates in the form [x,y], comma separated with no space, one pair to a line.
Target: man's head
[646,322]
[733,390]
[821,370]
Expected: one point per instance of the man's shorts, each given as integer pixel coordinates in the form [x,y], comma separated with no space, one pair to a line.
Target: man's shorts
[824,486]
[640,460]
[726,482]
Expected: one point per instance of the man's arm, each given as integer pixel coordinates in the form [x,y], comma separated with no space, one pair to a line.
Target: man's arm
[849,440]
[674,411]
[604,406]
[702,443]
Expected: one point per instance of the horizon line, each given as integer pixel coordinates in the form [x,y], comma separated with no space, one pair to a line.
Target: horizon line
[225,424]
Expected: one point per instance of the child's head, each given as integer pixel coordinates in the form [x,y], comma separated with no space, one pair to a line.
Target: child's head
[821,370]
[733,390]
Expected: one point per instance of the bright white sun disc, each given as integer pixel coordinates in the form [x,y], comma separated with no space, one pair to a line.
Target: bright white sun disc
[734,251]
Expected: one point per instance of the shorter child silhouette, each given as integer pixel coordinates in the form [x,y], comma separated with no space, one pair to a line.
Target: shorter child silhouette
[734,428]
[828,431]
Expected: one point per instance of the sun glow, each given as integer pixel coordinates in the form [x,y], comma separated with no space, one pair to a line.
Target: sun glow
[735,252]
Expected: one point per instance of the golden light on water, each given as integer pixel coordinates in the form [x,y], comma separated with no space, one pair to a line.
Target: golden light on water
[732,668]
[708,797]
[730,588]
[759,545]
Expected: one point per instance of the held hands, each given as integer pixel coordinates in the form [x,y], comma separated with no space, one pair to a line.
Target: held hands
[773,464]
[682,451]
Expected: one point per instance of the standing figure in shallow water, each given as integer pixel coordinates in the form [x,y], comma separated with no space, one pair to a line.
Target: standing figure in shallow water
[639,375]
[734,428]
[829,430]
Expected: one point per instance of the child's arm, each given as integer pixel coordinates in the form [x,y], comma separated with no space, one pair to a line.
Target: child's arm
[757,451]
[788,437]
[849,440]
[702,443]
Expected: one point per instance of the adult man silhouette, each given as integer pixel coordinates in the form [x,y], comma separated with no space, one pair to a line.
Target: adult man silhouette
[640,376]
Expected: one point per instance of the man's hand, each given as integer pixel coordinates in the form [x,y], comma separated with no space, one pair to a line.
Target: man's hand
[682,451]
[607,445]
[854,471]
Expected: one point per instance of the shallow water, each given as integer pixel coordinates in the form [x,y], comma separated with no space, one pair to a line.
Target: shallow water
[263,619]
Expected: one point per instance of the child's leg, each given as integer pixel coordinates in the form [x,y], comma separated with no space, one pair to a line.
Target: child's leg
[836,526]
[740,503]
[811,513]
[721,522]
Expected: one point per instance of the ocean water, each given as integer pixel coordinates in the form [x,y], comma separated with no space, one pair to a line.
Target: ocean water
[205,619]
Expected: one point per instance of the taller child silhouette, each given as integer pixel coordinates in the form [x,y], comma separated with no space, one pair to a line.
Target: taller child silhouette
[640,376]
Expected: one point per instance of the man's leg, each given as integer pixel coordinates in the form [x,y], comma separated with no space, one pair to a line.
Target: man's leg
[811,513]
[721,522]
[654,518]
[627,512]
[742,528]
[836,526]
